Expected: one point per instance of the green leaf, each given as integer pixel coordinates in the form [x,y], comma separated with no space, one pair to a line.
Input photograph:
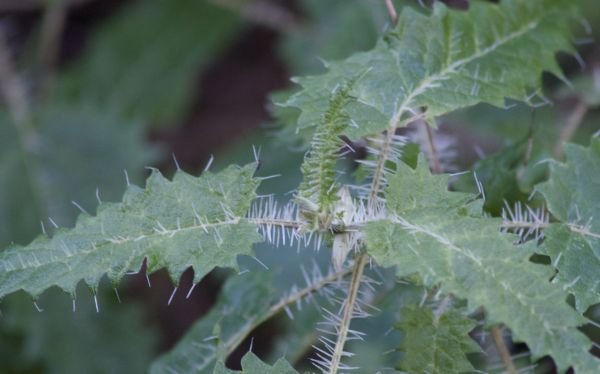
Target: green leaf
[145,58]
[445,61]
[445,240]
[243,303]
[251,364]
[498,173]
[573,244]
[436,344]
[60,341]
[189,221]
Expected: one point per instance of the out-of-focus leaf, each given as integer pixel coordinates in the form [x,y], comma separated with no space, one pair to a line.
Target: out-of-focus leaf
[66,155]
[331,31]
[145,59]
[243,303]
[60,341]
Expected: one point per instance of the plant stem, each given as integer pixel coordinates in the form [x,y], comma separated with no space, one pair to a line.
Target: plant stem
[52,29]
[392,11]
[503,350]
[434,160]
[571,126]
[348,312]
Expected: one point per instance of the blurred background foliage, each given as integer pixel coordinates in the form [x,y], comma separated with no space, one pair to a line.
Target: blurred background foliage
[93,91]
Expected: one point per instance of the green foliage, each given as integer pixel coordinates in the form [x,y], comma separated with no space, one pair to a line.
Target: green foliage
[440,242]
[59,340]
[436,344]
[442,237]
[253,365]
[445,61]
[143,61]
[175,224]
[47,165]
[243,304]
[330,33]
[319,185]
[573,243]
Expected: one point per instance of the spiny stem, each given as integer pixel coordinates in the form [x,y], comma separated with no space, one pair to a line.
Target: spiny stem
[503,350]
[583,230]
[348,311]
[308,290]
[231,344]
[292,224]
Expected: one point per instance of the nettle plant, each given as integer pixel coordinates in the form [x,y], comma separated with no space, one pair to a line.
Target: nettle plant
[473,269]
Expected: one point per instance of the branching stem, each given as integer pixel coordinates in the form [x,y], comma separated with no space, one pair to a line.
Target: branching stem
[348,312]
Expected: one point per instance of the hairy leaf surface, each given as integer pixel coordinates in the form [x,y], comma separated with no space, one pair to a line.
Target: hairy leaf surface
[436,344]
[573,244]
[189,221]
[443,238]
[445,61]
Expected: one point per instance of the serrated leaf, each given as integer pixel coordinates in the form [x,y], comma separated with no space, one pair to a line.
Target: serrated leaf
[189,221]
[439,236]
[144,59]
[251,364]
[445,61]
[573,244]
[243,303]
[436,344]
